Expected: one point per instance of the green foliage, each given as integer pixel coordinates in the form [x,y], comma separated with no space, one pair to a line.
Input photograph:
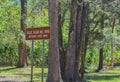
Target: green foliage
[92,56]
[102,38]
[10,30]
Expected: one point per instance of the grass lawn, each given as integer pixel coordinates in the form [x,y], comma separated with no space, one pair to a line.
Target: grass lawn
[109,75]
[23,75]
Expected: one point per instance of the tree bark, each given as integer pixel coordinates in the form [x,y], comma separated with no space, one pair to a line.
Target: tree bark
[83,54]
[71,50]
[22,45]
[100,60]
[100,66]
[61,18]
[112,44]
[54,74]
[77,24]
[83,37]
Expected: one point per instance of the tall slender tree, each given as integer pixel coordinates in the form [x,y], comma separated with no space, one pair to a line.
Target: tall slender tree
[100,66]
[61,19]
[82,39]
[112,44]
[22,44]
[71,50]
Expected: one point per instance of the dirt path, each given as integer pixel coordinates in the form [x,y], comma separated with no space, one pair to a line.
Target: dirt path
[11,79]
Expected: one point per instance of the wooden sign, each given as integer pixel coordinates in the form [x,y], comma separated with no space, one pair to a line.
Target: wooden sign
[40,33]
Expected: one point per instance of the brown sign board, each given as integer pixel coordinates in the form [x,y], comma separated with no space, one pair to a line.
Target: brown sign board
[40,33]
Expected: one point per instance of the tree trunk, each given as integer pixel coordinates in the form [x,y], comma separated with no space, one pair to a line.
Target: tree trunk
[112,44]
[77,24]
[82,58]
[22,45]
[61,19]
[79,33]
[100,66]
[71,50]
[100,60]
[83,38]
[83,54]
[54,74]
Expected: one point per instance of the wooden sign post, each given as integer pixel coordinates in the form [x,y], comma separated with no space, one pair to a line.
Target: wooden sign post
[40,33]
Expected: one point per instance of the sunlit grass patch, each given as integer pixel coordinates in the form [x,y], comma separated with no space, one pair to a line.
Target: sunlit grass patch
[24,73]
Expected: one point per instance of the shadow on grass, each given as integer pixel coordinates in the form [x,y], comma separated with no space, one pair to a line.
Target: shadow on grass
[7,69]
[36,76]
[100,76]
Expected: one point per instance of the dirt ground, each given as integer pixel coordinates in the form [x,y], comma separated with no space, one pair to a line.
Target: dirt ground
[11,79]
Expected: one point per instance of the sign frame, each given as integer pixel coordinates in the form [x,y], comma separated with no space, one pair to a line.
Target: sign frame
[37,33]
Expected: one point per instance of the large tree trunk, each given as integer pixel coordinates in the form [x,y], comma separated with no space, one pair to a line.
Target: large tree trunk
[54,74]
[77,24]
[22,45]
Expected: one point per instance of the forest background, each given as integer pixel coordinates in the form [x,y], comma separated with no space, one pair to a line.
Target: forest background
[100,34]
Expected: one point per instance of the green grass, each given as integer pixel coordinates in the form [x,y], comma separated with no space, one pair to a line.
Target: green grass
[112,75]
[23,73]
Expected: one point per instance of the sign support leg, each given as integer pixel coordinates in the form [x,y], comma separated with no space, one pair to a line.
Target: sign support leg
[32,54]
[42,61]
